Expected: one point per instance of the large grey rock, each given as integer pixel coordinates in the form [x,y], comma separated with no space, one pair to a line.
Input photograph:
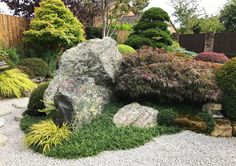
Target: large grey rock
[3,139]
[86,73]
[136,115]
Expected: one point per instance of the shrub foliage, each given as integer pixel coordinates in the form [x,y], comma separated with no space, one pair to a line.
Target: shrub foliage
[53,27]
[159,75]
[14,83]
[35,67]
[36,100]
[125,49]
[151,30]
[212,57]
[226,79]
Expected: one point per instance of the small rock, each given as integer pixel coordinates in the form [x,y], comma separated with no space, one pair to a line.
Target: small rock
[3,139]
[223,128]
[4,112]
[2,122]
[136,115]
[18,118]
[233,124]
[191,123]
[212,108]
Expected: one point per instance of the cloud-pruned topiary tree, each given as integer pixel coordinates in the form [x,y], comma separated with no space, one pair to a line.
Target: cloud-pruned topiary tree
[151,30]
[54,27]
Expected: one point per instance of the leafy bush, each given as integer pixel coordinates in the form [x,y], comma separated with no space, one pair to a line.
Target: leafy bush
[53,27]
[10,53]
[212,57]
[36,100]
[8,61]
[151,74]
[226,80]
[37,66]
[14,83]
[151,30]
[125,49]
[166,117]
[93,32]
[46,134]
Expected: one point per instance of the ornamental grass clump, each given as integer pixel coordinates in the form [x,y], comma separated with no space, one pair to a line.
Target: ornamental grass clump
[14,83]
[154,75]
[46,134]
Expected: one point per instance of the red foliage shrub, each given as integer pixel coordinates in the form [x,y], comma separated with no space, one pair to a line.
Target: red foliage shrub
[160,75]
[212,57]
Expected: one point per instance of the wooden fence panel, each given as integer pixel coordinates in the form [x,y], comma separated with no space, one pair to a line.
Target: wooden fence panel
[192,42]
[11,30]
[122,35]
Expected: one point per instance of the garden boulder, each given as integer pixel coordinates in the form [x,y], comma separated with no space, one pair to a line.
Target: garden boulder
[85,77]
[136,115]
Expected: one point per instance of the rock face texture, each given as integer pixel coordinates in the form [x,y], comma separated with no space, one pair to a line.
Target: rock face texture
[223,128]
[136,115]
[86,73]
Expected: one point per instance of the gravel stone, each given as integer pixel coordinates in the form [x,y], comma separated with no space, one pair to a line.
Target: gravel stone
[182,149]
[2,122]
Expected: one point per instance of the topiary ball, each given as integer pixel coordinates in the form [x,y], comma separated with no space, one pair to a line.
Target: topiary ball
[38,67]
[35,101]
[212,57]
[125,49]
[226,80]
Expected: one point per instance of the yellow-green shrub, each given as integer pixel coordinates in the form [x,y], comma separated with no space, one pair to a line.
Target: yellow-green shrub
[14,83]
[125,49]
[46,134]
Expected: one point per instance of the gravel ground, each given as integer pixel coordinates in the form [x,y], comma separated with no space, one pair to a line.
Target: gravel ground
[183,149]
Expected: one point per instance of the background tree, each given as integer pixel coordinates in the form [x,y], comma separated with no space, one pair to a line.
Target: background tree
[210,24]
[53,27]
[185,11]
[228,16]
[151,30]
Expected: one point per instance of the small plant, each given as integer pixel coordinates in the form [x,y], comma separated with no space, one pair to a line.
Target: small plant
[166,117]
[14,83]
[226,80]
[184,51]
[49,109]
[46,134]
[212,57]
[36,67]
[35,101]
[209,121]
[125,49]
[8,61]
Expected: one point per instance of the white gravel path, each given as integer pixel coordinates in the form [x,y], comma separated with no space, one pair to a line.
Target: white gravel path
[183,149]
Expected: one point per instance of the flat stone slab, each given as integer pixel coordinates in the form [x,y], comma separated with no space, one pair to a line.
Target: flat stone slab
[4,112]
[3,139]
[2,122]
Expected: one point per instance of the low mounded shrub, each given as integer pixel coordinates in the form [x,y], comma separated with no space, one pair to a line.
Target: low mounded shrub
[157,75]
[46,134]
[226,80]
[212,57]
[36,100]
[35,67]
[166,117]
[125,49]
[14,83]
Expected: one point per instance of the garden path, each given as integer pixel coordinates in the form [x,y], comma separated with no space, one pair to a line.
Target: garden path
[183,149]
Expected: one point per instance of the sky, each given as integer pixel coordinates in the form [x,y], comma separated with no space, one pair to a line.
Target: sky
[212,7]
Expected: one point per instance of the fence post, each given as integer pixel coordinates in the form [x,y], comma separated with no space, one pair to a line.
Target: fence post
[209,42]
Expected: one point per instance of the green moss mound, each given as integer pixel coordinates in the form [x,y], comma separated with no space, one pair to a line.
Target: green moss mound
[226,80]
[35,67]
[35,101]
[125,49]
[101,135]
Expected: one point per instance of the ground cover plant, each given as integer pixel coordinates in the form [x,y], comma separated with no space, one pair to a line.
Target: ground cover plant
[100,135]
